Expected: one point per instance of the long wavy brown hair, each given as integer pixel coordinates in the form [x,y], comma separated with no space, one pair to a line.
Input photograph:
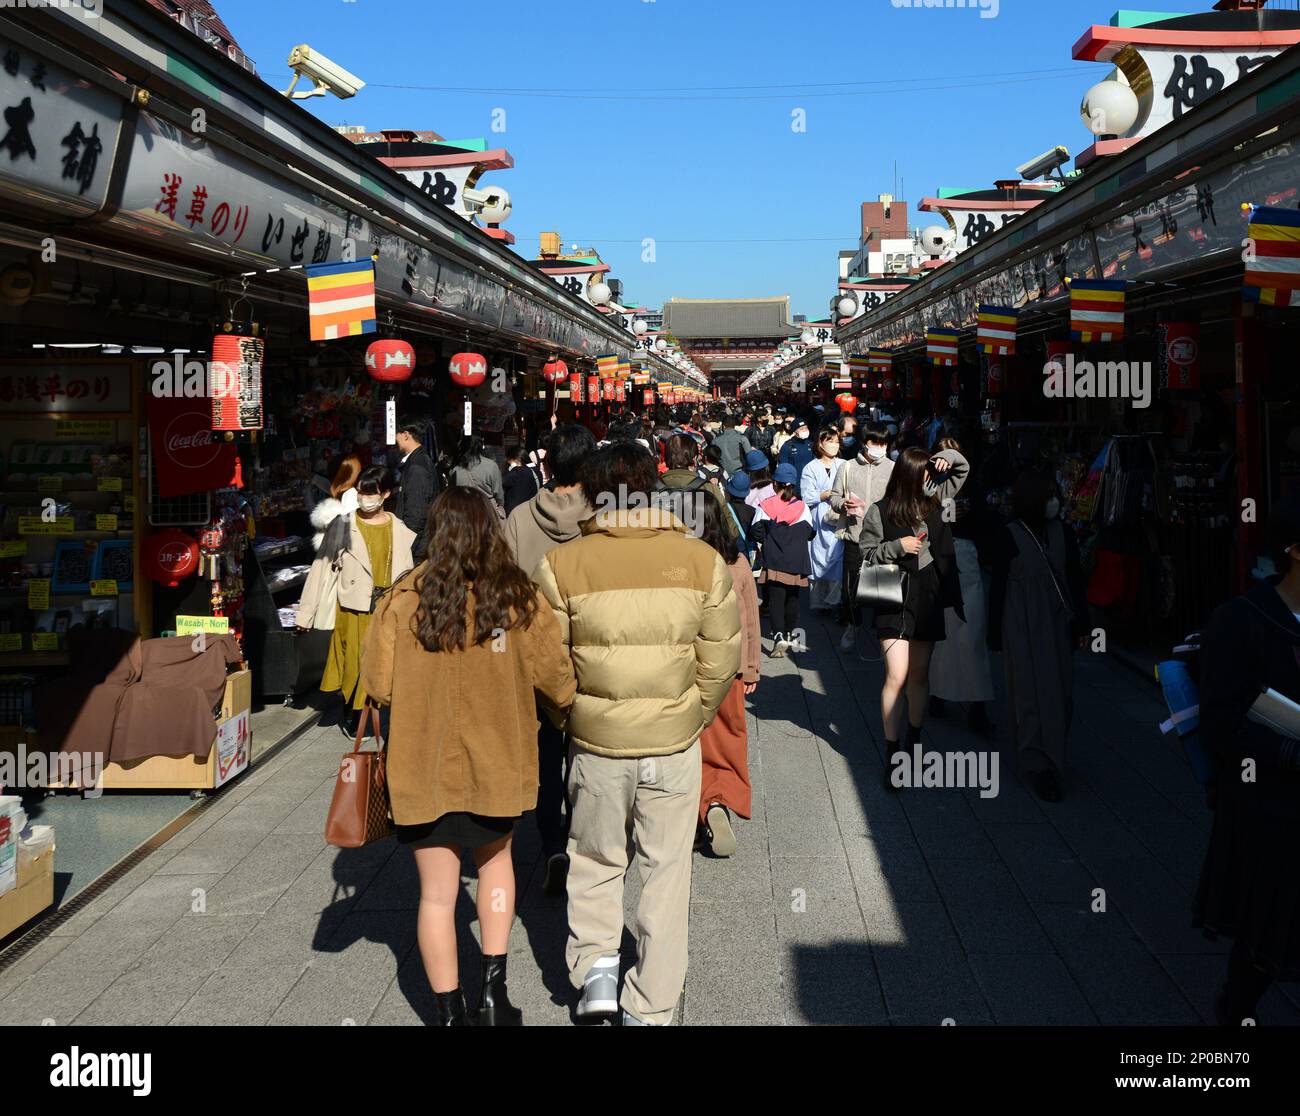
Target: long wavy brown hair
[905,503]
[468,553]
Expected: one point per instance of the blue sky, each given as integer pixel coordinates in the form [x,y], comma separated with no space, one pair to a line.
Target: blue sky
[674,118]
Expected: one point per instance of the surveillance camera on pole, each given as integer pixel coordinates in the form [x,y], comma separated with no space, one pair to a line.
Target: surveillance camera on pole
[1043,165]
[325,76]
[492,203]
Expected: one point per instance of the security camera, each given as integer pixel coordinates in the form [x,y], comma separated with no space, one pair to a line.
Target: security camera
[491,204]
[1044,164]
[325,76]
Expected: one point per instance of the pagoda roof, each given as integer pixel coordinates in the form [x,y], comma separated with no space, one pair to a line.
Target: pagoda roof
[729,317]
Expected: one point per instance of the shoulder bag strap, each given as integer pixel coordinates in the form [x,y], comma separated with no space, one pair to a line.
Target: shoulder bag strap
[370,715]
[1050,568]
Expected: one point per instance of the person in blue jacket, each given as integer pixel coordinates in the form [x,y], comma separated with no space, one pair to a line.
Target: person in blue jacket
[798,451]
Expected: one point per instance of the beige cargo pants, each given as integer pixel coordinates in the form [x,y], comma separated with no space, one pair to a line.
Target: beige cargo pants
[647,808]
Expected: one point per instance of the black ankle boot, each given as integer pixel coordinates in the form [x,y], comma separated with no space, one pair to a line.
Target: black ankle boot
[450,1009]
[495,1008]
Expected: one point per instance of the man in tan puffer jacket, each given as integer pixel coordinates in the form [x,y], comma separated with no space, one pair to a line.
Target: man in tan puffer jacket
[651,620]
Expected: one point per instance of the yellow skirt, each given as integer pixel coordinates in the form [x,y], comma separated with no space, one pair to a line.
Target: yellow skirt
[343,664]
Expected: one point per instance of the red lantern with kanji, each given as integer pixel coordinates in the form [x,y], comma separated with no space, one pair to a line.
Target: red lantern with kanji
[607,389]
[169,556]
[575,386]
[846,402]
[390,361]
[648,397]
[593,389]
[555,371]
[620,392]
[468,369]
[236,381]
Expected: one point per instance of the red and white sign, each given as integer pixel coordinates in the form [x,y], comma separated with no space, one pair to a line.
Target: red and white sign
[187,456]
[236,382]
[234,739]
[1181,351]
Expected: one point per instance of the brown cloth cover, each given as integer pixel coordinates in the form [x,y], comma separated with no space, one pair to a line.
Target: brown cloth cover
[156,700]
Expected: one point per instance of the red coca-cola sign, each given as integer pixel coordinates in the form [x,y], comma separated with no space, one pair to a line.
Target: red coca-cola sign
[187,456]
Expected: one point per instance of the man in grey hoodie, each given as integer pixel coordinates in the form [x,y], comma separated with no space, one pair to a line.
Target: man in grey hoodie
[552,517]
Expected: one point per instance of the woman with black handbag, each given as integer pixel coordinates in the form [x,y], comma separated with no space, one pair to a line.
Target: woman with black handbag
[909,576]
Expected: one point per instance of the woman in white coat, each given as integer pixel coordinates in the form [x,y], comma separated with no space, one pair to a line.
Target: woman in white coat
[825,551]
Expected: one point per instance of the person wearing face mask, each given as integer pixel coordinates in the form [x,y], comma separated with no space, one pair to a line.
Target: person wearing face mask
[798,451]
[826,550]
[376,551]
[859,484]
[1036,620]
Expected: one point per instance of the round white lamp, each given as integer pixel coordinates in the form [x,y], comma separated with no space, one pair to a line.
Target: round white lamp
[1109,109]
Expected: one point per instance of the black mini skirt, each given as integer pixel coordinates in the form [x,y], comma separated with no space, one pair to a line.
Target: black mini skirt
[468,831]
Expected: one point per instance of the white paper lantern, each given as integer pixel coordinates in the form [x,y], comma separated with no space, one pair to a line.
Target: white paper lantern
[1109,109]
[847,307]
[640,327]
[599,293]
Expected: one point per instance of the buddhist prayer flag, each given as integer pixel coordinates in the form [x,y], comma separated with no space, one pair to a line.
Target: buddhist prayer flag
[882,360]
[1273,256]
[606,364]
[623,368]
[341,299]
[997,330]
[859,367]
[1097,309]
[941,345]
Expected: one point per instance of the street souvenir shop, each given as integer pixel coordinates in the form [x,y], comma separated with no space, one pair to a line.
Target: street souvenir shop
[175,398]
[1115,334]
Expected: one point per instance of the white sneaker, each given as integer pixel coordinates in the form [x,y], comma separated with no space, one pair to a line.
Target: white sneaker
[600,989]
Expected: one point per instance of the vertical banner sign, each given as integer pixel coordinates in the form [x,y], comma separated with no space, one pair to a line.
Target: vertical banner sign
[390,422]
[1179,349]
[469,418]
[994,375]
[236,382]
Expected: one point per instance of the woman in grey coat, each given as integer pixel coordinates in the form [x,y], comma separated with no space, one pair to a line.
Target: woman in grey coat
[1035,620]
[473,470]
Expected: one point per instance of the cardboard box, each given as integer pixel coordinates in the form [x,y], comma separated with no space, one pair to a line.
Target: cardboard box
[239,694]
[34,893]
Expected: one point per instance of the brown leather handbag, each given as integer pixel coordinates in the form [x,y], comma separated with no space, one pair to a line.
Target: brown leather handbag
[359,812]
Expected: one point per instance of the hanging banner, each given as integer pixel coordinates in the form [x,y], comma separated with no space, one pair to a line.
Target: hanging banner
[648,397]
[1178,348]
[1097,309]
[996,332]
[994,375]
[941,347]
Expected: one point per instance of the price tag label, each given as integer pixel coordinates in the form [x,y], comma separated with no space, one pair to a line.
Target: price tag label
[13,548]
[49,484]
[105,587]
[84,430]
[35,525]
[128,502]
[45,641]
[11,641]
[38,594]
[105,523]
[109,484]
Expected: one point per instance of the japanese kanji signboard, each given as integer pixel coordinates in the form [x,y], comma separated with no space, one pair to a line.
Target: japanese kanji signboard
[57,133]
[49,387]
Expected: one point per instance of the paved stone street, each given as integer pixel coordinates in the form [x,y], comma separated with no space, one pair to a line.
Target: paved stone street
[845,903]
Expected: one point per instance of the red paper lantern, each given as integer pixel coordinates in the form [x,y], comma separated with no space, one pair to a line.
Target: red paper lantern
[468,369]
[555,371]
[236,381]
[593,389]
[390,361]
[846,402]
[575,386]
[648,397]
[607,389]
[169,556]
[620,392]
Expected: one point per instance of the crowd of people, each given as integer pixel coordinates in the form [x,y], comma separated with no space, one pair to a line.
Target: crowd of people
[576,637]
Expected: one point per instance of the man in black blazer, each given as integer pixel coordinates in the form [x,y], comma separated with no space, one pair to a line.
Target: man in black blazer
[417,482]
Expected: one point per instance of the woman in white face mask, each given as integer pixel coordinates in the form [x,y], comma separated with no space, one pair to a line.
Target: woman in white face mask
[376,552]
[859,484]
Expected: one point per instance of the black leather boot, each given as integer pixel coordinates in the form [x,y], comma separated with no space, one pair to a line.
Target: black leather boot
[450,1009]
[495,1008]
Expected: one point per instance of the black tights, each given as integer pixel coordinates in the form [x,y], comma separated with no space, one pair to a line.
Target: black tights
[1246,983]
[783,606]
